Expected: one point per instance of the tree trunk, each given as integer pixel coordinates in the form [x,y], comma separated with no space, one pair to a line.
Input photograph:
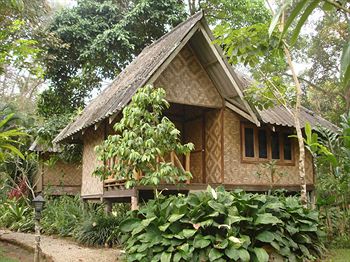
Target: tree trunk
[296,115]
[192,6]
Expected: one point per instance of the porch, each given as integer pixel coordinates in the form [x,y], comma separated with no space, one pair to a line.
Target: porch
[192,122]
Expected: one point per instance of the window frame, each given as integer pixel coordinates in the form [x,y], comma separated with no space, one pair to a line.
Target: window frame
[256,158]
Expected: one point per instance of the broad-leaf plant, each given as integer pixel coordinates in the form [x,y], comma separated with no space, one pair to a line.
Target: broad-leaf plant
[143,141]
[223,226]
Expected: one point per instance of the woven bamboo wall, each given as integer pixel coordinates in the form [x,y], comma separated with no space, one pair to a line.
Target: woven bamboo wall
[186,82]
[236,172]
[62,174]
[91,185]
[38,181]
[213,140]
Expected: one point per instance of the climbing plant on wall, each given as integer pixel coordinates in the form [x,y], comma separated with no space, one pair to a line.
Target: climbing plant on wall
[144,140]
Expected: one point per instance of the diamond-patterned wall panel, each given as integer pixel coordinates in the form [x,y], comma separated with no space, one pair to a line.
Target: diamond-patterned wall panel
[186,82]
[62,174]
[213,153]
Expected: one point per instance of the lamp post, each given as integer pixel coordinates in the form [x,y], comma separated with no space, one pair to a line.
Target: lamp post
[38,203]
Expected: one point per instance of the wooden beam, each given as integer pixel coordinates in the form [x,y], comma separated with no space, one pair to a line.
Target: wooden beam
[239,111]
[210,63]
[179,163]
[112,118]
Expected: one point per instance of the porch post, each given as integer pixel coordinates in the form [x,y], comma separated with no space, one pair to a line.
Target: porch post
[108,206]
[135,200]
[313,199]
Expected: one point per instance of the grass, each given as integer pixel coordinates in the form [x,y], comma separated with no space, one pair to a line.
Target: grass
[13,253]
[4,258]
[338,255]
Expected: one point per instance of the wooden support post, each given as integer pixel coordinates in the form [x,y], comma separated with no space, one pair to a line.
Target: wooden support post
[188,165]
[313,199]
[172,157]
[135,200]
[134,203]
[108,206]
[37,249]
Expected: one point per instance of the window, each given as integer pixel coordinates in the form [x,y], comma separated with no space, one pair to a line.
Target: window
[263,144]
[287,150]
[249,141]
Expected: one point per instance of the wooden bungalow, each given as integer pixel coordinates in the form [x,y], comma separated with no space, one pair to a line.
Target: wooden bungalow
[231,137]
[58,178]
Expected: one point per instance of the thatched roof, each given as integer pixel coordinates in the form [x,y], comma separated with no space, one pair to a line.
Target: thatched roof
[116,96]
[119,93]
[36,146]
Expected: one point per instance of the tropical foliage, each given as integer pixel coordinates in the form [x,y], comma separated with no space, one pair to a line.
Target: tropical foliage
[16,215]
[333,184]
[8,138]
[93,41]
[61,215]
[144,138]
[100,230]
[222,226]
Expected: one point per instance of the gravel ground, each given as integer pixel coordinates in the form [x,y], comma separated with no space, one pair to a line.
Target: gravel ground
[62,250]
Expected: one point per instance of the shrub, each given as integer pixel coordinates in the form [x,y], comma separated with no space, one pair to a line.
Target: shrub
[16,214]
[62,215]
[222,226]
[99,230]
[336,222]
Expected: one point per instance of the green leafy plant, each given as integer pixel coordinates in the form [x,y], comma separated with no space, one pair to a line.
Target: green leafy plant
[8,138]
[144,137]
[299,14]
[16,215]
[99,230]
[48,130]
[333,182]
[222,226]
[269,170]
[62,215]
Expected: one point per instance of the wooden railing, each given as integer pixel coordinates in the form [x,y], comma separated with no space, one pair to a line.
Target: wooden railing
[112,183]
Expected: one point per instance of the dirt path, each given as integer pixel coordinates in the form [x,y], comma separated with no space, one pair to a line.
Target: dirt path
[62,250]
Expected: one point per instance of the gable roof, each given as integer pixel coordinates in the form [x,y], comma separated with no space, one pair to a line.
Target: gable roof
[135,75]
[150,63]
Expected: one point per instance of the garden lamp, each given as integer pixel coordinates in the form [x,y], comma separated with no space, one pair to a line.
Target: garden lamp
[38,203]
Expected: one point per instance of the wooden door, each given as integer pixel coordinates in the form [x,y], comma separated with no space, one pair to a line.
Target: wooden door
[194,132]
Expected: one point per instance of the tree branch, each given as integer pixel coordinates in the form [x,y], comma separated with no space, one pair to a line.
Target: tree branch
[314,86]
[339,6]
